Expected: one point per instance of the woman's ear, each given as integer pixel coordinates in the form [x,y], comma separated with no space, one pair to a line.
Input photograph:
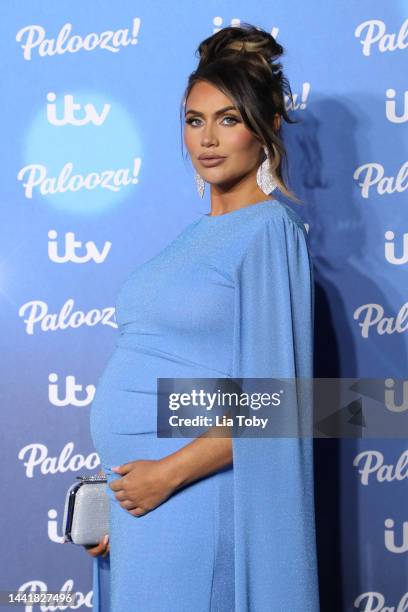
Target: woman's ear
[262,154]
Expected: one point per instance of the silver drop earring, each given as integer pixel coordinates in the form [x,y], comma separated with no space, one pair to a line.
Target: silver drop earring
[199,184]
[264,176]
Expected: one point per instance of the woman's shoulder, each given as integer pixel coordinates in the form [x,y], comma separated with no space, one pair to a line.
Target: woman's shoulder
[274,228]
[277,212]
[273,222]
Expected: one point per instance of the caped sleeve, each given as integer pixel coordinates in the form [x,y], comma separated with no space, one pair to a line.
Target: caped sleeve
[274,518]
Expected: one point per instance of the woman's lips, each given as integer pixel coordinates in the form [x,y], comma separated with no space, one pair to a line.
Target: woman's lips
[212,161]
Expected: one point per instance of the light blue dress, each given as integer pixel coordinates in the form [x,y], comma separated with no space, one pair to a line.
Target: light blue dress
[230,297]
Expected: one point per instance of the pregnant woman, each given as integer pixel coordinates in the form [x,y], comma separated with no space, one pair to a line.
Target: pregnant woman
[214,524]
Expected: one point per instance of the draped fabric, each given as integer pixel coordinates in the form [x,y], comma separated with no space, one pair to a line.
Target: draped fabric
[275,553]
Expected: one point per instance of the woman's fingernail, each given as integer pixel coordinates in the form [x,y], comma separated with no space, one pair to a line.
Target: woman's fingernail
[106,539]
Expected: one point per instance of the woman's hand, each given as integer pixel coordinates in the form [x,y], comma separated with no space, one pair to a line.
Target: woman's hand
[102,548]
[144,485]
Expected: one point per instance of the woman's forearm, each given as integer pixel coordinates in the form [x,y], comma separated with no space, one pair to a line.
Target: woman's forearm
[203,456]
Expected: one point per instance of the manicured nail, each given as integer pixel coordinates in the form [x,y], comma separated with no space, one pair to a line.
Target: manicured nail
[106,539]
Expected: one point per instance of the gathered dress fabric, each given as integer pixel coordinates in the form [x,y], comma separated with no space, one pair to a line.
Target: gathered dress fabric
[231,296]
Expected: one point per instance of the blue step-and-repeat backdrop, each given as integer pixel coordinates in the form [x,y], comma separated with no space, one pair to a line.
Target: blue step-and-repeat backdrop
[94,181]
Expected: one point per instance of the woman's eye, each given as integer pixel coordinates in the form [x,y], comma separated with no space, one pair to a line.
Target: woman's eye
[233,118]
[190,121]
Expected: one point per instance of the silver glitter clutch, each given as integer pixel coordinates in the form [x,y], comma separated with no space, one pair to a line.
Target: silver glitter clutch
[86,511]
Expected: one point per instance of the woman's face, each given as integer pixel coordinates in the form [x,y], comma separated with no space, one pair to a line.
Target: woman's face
[211,129]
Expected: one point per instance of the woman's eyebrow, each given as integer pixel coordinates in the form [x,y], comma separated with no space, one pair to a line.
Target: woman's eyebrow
[218,112]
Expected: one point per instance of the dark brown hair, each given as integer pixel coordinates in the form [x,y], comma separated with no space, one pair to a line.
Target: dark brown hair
[241,62]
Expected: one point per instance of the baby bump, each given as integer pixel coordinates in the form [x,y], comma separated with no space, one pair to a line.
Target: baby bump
[123,413]
[125,400]
[199,517]
[125,397]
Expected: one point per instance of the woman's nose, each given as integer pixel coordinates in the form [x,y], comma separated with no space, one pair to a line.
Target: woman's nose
[208,136]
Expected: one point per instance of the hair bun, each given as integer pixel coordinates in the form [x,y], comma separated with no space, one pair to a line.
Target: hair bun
[241,42]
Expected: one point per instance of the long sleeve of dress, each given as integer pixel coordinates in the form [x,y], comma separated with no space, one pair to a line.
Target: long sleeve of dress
[275,551]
